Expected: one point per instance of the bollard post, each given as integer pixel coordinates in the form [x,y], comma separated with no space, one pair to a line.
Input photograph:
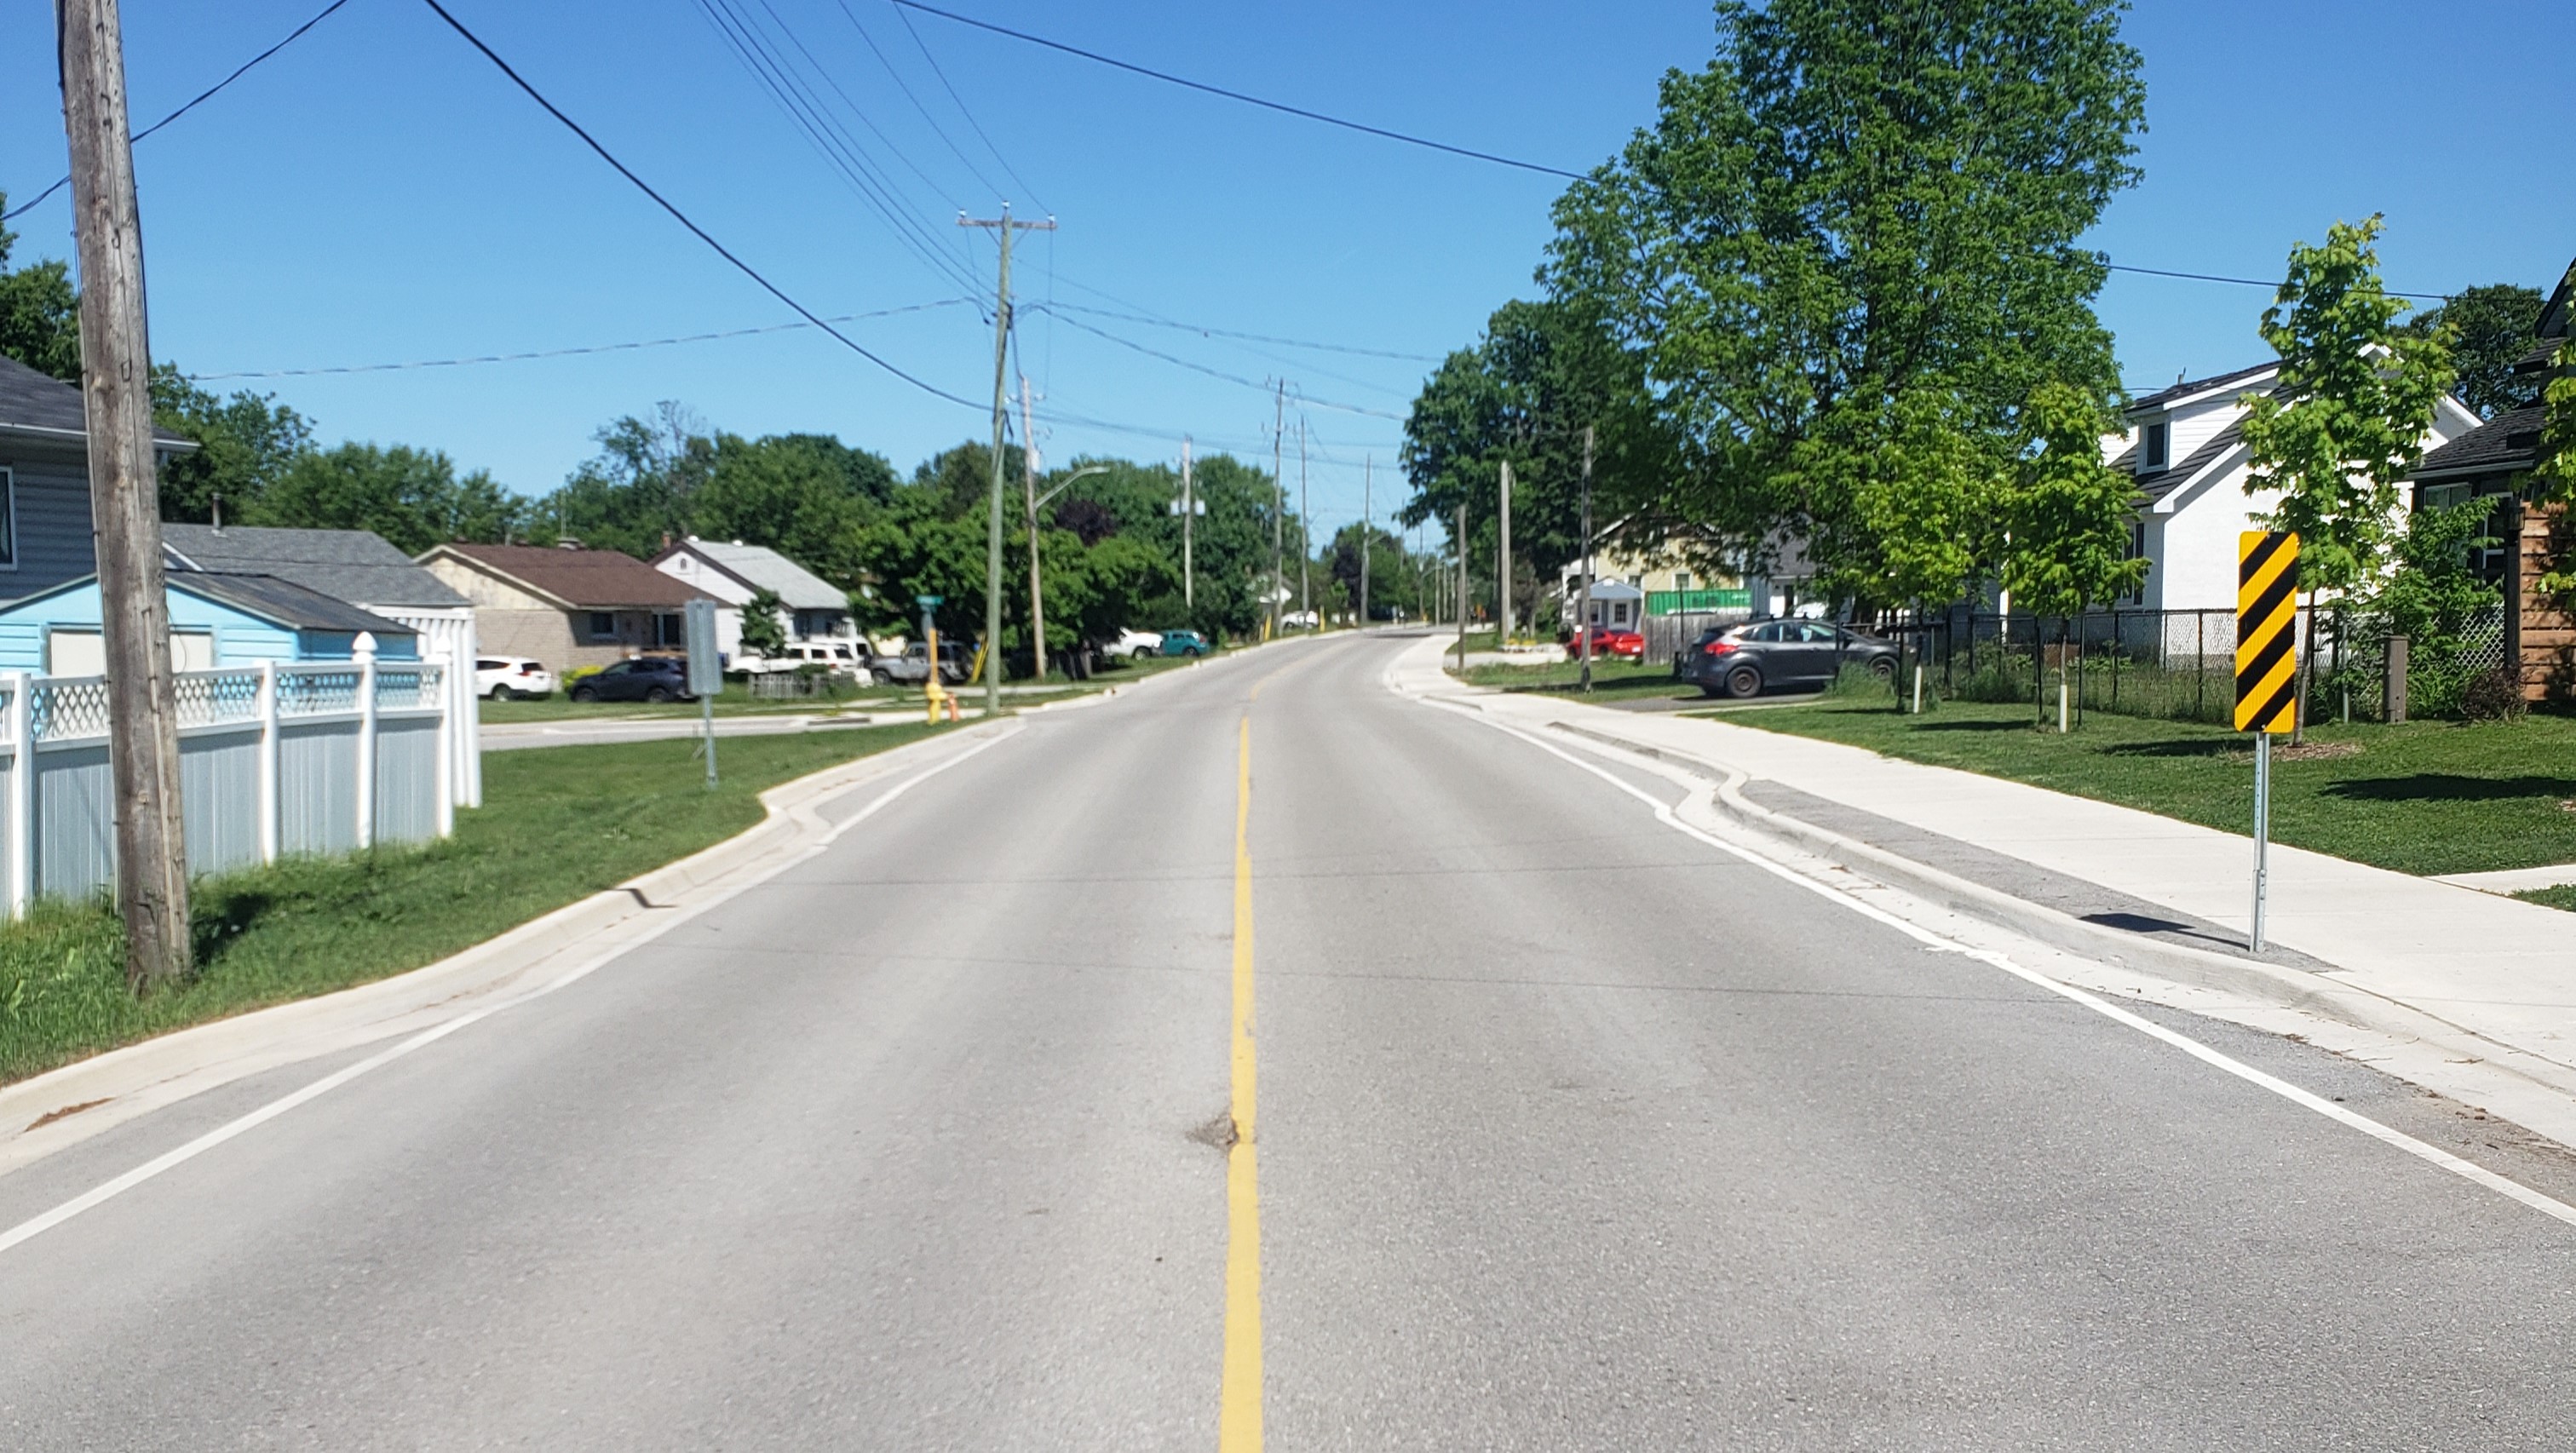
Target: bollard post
[2393,691]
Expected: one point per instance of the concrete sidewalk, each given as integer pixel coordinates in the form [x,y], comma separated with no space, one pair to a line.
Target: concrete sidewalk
[2368,946]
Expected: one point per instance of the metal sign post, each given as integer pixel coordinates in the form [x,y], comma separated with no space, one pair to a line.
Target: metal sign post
[706,672]
[2267,674]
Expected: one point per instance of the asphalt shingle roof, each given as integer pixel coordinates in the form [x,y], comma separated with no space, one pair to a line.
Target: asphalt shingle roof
[584,579]
[357,566]
[2503,443]
[285,602]
[40,403]
[765,569]
[2184,390]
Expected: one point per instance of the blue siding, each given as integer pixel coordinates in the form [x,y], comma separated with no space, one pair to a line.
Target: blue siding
[240,639]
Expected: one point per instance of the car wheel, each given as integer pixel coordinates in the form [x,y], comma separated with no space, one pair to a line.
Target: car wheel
[1145,653]
[1190,651]
[1884,668]
[657,696]
[1743,681]
[584,695]
[502,693]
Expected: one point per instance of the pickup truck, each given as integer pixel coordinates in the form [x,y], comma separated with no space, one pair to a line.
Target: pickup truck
[912,668]
[842,656]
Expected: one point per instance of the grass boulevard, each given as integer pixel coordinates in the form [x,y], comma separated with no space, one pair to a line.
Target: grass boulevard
[556,825]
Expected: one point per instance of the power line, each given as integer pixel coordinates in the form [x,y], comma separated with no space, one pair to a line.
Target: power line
[746,269]
[1206,331]
[901,85]
[1279,106]
[567,352]
[1218,373]
[810,116]
[206,94]
[1009,170]
[2252,282]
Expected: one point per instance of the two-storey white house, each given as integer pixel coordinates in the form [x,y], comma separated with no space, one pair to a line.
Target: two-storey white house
[809,607]
[2187,448]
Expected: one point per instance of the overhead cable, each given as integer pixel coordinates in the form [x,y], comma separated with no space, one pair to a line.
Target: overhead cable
[924,47]
[746,269]
[1279,106]
[206,94]
[1206,331]
[568,352]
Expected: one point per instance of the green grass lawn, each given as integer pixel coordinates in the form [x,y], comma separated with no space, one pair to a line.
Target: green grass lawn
[557,824]
[2425,797]
[1611,680]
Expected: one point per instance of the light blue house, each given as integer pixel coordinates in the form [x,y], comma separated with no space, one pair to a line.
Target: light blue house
[216,620]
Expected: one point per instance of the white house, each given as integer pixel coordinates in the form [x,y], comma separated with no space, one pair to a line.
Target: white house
[809,607]
[2186,446]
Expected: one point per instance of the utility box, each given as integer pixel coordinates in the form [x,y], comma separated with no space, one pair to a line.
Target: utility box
[706,663]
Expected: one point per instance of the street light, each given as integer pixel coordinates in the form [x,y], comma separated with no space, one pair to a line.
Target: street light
[1037,591]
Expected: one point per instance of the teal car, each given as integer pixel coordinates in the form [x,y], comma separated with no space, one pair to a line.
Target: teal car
[1185,643]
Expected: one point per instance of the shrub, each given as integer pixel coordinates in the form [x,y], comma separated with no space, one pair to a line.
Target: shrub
[2494,695]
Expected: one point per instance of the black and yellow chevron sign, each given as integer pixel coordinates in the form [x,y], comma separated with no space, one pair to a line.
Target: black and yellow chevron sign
[2267,658]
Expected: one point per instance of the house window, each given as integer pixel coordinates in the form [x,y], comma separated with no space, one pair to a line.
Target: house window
[1681,580]
[670,630]
[2156,452]
[8,520]
[603,625]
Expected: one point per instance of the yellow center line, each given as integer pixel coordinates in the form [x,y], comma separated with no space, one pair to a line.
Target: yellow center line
[1239,1396]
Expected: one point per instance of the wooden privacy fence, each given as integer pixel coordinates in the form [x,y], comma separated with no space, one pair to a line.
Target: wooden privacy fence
[274,760]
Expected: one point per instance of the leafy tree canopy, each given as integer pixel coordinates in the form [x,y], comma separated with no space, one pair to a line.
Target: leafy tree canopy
[1524,395]
[1856,202]
[2356,394]
[2070,516]
[245,445]
[412,497]
[2490,329]
[39,312]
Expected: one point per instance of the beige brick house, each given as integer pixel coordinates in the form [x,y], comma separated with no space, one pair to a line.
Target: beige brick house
[564,607]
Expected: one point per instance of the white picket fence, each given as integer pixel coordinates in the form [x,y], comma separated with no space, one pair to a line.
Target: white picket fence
[274,760]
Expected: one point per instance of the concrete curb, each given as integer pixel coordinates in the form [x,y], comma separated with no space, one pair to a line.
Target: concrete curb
[2316,993]
[65,1106]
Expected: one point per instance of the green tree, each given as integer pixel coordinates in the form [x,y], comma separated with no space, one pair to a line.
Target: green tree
[2431,598]
[1524,395]
[803,495]
[2554,460]
[640,489]
[2348,416]
[2490,329]
[39,312]
[762,635]
[2069,518]
[245,444]
[412,497]
[1856,202]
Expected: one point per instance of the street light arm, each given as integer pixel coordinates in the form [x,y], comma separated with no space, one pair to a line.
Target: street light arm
[1068,481]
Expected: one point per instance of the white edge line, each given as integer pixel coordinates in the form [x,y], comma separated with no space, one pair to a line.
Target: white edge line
[38,1225]
[2432,1154]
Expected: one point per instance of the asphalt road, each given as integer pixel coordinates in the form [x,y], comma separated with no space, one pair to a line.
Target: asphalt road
[1572,1132]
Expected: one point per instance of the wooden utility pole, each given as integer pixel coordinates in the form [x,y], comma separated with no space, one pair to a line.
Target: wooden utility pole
[1189,508]
[1503,559]
[1029,492]
[116,396]
[1462,585]
[1278,508]
[1583,611]
[992,652]
[1368,527]
[1305,543]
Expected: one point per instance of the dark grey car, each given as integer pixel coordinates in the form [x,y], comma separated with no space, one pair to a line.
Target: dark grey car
[1745,660]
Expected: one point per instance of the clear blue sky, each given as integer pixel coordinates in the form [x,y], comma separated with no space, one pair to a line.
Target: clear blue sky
[378,193]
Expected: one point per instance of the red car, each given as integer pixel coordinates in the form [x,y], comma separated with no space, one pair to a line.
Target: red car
[1608,642]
